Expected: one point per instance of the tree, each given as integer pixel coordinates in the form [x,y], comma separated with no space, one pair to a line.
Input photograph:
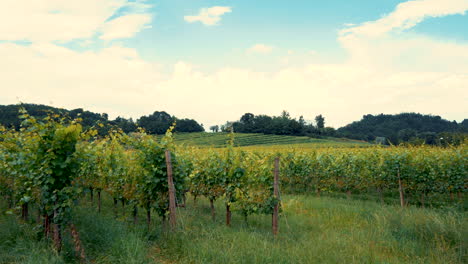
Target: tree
[406,134]
[320,121]
[127,125]
[246,124]
[247,118]
[227,127]
[329,131]
[214,129]
[157,123]
[301,121]
[188,125]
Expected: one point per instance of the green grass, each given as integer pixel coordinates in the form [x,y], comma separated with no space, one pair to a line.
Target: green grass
[312,230]
[105,239]
[245,139]
[322,230]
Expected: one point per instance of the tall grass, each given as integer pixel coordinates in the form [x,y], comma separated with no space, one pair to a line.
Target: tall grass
[19,244]
[323,230]
[312,230]
[105,239]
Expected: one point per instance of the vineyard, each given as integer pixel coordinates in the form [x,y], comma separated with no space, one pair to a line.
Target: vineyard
[219,140]
[50,165]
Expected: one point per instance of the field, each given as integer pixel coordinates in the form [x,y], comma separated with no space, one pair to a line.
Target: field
[69,196]
[218,140]
[312,230]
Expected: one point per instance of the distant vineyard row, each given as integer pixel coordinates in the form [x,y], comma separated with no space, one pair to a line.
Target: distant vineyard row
[244,139]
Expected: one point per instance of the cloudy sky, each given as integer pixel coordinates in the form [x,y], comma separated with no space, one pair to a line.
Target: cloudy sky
[213,60]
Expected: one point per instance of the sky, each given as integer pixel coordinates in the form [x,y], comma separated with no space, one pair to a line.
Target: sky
[214,60]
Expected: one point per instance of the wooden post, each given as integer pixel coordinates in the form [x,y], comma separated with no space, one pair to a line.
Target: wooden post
[91,194]
[25,211]
[115,207]
[148,217]
[79,250]
[400,189]
[380,192]
[228,214]
[184,199]
[135,214]
[276,194]
[57,238]
[213,212]
[99,200]
[47,225]
[170,182]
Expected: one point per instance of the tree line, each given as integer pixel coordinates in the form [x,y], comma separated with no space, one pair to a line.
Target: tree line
[155,123]
[413,128]
[283,124]
[407,128]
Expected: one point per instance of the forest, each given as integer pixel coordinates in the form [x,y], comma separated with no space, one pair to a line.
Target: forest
[407,128]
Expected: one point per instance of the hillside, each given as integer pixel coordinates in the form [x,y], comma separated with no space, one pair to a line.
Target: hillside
[155,123]
[250,139]
[401,127]
[254,130]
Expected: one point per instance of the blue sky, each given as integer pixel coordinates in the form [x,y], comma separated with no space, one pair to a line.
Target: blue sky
[300,25]
[214,60]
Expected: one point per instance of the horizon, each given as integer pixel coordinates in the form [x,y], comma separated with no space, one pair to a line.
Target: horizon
[207,129]
[214,60]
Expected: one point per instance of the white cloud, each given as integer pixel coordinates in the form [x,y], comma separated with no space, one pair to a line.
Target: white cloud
[209,16]
[407,15]
[407,53]
[375,43]
[260,48]
[125,26]
[384,74]
[57,20]
[114,78]
[117,81]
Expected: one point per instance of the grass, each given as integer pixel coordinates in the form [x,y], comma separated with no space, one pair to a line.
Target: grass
[246,139]
[19,244]
[323,230]
[312,230]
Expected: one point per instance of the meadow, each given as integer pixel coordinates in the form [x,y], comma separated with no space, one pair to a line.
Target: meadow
[312,230]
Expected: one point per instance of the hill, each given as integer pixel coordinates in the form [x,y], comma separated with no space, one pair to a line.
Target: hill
[402,127]
[156,123]
[205,139]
